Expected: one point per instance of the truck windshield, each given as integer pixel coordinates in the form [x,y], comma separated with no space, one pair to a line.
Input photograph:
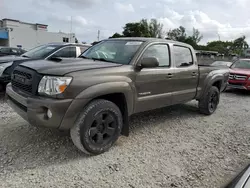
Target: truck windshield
[115,51]
[40,52]
[241,64]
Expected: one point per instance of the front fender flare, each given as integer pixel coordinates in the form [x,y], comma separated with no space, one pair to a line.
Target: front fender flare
[110,88]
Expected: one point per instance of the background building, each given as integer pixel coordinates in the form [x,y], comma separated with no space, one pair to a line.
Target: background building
[15,33]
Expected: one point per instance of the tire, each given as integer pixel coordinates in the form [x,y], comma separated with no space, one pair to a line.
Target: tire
[209,102]
[2,87]
[97,128]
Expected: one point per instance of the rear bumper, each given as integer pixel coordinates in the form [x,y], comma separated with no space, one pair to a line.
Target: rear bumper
[34,110]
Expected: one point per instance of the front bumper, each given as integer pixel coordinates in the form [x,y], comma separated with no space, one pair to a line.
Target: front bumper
[34,109]
[238,85]
[5,78]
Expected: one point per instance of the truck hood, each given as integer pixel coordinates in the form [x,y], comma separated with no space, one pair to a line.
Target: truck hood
[240,71]
[66,65]
[9,58]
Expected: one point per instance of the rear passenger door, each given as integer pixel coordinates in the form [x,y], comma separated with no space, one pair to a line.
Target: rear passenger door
[187,75]
[154,86]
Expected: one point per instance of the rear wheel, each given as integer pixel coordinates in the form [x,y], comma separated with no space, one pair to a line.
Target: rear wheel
[98,127]
[208,104]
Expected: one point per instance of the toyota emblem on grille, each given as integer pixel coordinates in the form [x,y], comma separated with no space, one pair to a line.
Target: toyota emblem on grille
[235,77]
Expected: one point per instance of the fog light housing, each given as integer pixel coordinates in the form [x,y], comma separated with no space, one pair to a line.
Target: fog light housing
[49,113]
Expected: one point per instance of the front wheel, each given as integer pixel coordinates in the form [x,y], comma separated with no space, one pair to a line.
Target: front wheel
[97,127]
[209,102]
[2,87]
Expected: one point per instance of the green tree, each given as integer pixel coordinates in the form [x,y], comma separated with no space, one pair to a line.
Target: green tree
[155,28]
[223,47]
[197,36]
[116,35]
[178,34]
[239,45]
[143,28]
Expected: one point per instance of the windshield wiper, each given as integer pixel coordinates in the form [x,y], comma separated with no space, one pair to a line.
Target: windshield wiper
[102,59]
[84,57]
[25,56]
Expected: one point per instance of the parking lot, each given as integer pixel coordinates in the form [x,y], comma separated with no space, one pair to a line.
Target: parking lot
[170,147]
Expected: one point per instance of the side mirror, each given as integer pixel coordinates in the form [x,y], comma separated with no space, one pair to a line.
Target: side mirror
[149,62]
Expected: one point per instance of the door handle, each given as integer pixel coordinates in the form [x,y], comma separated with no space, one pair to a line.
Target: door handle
[170,75]
[194,73]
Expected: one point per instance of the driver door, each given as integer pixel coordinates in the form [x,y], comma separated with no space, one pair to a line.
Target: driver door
[154,86]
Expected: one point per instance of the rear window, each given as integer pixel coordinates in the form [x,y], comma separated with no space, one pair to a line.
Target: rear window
[183,56]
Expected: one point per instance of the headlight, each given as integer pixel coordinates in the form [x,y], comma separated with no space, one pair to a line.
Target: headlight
[249,78]
[53,85]
[3,66]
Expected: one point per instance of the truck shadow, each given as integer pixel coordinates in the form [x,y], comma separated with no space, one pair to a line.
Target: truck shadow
[26,147]
[161,115]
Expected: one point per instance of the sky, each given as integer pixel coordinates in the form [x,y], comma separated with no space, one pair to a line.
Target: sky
[215,19]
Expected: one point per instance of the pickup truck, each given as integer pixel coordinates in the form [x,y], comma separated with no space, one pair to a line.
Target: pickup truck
[94,95]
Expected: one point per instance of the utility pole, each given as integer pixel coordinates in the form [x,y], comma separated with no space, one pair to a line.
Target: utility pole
[70,35]
[219,36]
[98,35]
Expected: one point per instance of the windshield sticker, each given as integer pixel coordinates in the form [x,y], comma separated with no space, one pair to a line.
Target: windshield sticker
[134,43]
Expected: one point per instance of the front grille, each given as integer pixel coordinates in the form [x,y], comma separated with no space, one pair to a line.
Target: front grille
[237,84]
[237,77]
[26,75]
[25,80]
[23,87]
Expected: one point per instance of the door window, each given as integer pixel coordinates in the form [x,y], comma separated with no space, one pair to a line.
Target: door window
[159,51]
[14,51]
[183,56]
[5,50]
[66,52]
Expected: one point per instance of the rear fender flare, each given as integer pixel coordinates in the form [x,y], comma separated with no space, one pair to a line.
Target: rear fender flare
[210,80]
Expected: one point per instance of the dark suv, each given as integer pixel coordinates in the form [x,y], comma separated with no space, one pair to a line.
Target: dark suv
[46,52]
[4,51]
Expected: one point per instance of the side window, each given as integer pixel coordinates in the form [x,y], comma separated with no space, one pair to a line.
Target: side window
[183,56]
[5,50]
[65,39]
[13,50]
[159,51]
[66,52]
